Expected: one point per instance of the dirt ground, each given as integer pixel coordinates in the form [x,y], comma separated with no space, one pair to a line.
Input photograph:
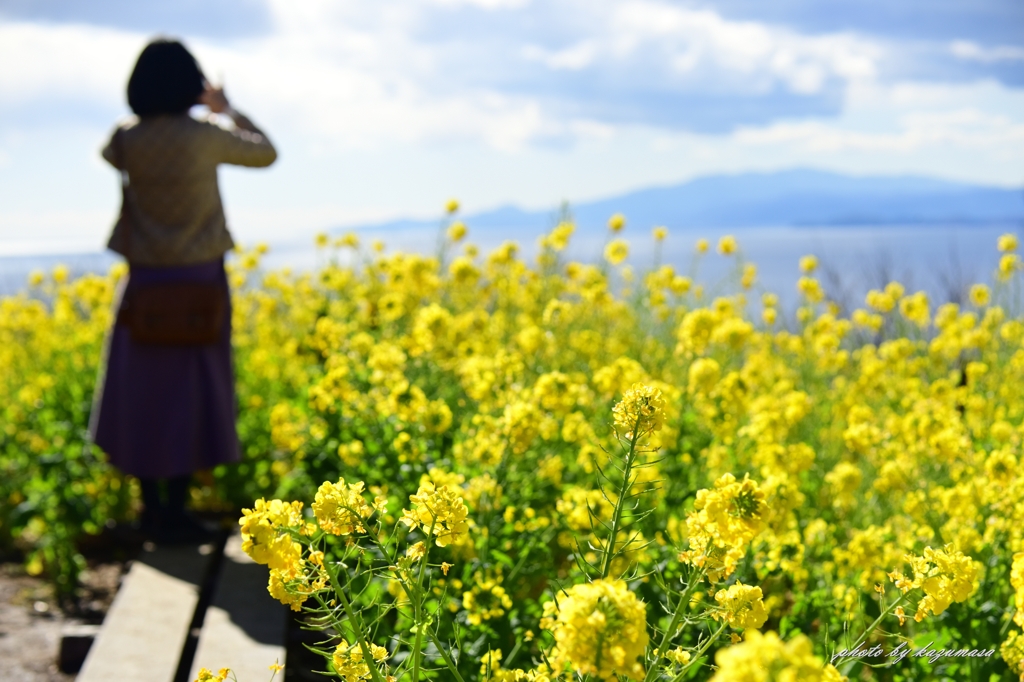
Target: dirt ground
[31,621]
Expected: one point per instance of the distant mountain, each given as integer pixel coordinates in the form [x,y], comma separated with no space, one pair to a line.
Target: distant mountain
[786,198]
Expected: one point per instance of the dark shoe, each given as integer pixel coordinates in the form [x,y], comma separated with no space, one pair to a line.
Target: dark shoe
[149,523]
[183,529]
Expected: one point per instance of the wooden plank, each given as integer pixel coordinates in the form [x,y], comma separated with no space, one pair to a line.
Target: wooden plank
[244,628]
[145,630]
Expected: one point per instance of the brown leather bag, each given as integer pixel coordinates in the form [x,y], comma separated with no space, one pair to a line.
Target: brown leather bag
[183,313]
[176,314]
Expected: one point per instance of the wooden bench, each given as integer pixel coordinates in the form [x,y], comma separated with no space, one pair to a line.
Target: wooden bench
[182,608]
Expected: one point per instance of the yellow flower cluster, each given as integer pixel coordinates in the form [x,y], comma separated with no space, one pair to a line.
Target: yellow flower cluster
[727,245]
[491,671]
[616,251]
[1017,581]
[350,664]
[724,521]
[438,511]
[1012,651]
[292,587]
[741,606]
[265,535]
[870,435]
[207,675]
[677,656]
[766,658]
[600,629]
[642,409]
[486,600]
[340,508]
[944,575]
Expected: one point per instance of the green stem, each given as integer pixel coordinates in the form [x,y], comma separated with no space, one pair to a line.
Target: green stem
[447,659]
[700,652]
[600,649]
[512,654]
[621,501]
[417,604]
[871,628]
[414,591]
[684,600]
[356,621]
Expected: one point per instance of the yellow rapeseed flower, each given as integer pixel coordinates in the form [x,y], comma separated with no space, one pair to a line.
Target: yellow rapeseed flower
[980,295]
[1017,581]
[1009,263]
[808,264]
[616,251]
[617,222]
[741,606]
[456,231]
[1007,242]
[1012,651]
[438,511]
[340,508]
[559,237]
[642,407]
[703,375]
[944,575]
[659,233]
[766,658]
[349,239]
[349,663]
[486,600]
[749,275]
[724,521]
[811,289]
[880,301]
[264,536]
[727,245]
[600,629]
[915,308]
[206,675]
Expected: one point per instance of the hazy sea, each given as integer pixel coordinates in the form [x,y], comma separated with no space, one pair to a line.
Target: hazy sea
[943,260]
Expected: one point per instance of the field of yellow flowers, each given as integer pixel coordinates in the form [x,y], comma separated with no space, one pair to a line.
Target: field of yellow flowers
[471,467]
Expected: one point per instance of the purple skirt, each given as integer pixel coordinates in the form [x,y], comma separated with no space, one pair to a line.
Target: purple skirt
[167,411]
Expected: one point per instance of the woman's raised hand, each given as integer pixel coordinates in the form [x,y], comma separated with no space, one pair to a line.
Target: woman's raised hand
[214,98]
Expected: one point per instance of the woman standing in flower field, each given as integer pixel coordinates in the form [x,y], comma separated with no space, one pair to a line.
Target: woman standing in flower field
[165,409]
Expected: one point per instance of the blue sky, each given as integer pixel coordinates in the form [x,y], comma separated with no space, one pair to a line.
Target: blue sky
[386,109]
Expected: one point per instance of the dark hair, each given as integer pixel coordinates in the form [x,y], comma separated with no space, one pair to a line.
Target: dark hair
[165,80]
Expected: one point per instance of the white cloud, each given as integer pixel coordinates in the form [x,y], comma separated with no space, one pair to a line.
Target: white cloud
[350,75]
[908,119]
[85,63]
[965,49]
[572,58]
[357,79]
[745,54]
